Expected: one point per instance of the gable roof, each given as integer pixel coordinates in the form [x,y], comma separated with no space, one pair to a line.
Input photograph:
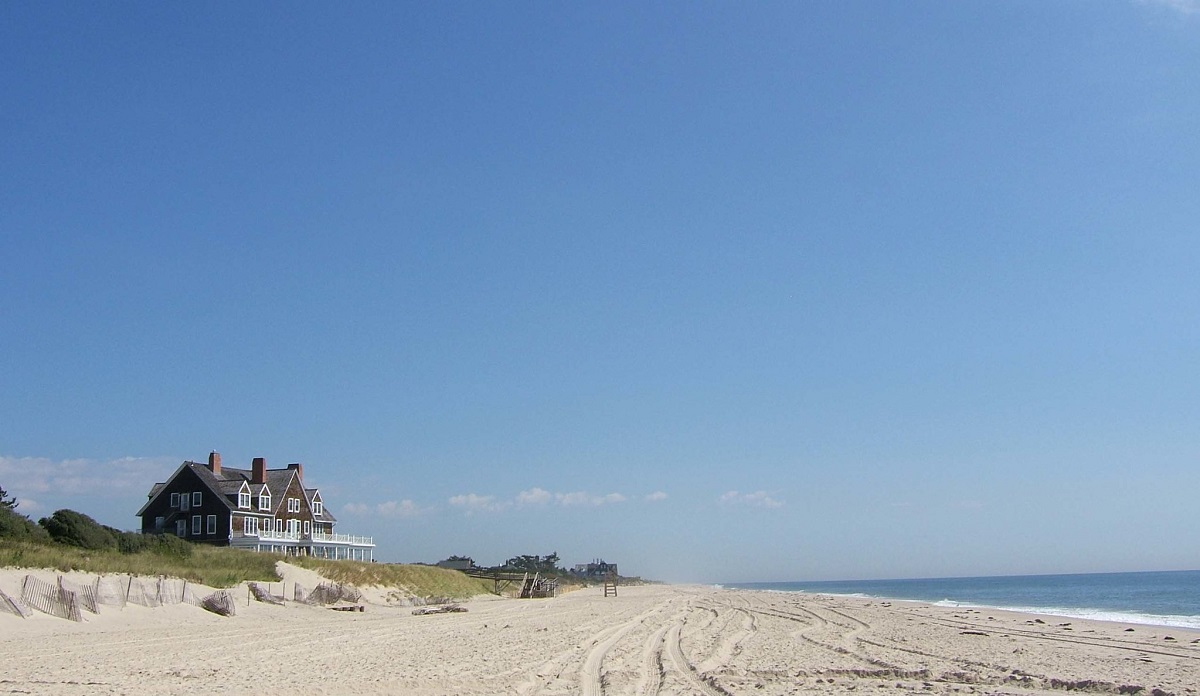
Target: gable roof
[231,480]
[325,516]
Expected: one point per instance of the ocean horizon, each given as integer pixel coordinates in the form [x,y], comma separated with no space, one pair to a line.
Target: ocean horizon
[1157,598]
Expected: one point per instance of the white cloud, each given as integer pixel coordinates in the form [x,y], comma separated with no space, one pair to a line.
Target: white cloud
[402,508]
[755,499]
[656,496]
[534,496]
[97,478]
[391,508]
[473,503]
[27,506]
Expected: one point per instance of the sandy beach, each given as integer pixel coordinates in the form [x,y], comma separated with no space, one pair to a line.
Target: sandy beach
[647,640]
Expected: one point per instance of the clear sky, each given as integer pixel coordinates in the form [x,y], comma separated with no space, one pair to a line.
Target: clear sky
[715,291]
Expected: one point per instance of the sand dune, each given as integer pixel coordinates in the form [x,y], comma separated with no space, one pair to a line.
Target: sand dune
[648,640]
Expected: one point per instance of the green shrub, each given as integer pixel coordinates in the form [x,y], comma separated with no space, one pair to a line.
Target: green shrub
[14,525]
[171,546]
[77,529]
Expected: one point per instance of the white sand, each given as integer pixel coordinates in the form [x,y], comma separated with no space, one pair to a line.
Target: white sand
[648,640]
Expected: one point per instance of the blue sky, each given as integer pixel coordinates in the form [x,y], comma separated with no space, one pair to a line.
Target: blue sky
[715,291]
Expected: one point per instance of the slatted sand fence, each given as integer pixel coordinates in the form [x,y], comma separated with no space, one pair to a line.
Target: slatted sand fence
[110,591]
[10,605]
[263,594]
[160,592]
[50,599]
[326,593]
[220,602]
[85,593]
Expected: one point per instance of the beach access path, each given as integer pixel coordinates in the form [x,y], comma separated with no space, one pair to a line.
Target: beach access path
[648,640]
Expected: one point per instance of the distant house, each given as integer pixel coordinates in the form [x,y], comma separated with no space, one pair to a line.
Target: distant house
[596,570]
[257,508]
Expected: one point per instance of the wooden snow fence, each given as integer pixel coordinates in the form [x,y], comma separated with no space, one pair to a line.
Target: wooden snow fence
[86,595]
[159,592]
[263,594]
[13,606]
[326,593]
[109,592]
[51,599]
[219,602]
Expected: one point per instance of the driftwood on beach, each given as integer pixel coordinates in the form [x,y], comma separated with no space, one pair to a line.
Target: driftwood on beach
[444,609]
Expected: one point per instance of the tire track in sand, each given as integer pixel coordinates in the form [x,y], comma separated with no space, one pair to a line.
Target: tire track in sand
[685,669]
[652,666]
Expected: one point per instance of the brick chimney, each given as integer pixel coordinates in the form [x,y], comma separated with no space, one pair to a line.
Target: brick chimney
[214,463]
[258,470]
[299,468]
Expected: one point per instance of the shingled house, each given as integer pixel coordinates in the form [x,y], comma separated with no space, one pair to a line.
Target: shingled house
[257,508]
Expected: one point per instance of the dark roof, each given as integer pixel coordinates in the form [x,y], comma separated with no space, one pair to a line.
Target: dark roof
[230,481]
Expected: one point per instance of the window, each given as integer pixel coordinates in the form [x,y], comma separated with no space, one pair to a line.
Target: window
[181,528]
[250,526]
[244,500]
[307,527]
[278,526]
[212,524]
[184,499]
[196,499]
[159,523]
[195,525]
[264,500]
[174,500]
[318,507]
[293,526]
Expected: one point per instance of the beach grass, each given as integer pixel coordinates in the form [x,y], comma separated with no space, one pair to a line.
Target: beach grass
[208,565]
[417,580]
[225,567]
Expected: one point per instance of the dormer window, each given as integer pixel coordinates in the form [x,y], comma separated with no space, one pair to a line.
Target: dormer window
[318,507]
[264,500]
[244,500]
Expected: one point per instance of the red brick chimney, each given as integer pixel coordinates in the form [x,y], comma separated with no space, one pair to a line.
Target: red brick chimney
[214,463]
[299,470]
[258,470]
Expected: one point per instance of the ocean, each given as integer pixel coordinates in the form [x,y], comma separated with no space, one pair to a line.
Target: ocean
[1170,598]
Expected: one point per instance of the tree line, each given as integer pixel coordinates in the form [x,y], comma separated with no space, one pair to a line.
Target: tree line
[72,528]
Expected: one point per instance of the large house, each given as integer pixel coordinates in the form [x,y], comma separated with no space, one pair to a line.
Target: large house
[257,508]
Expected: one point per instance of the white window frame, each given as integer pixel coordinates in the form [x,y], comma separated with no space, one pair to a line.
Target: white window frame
[264,500]
[174,500]
[250,526]
[279,525]
[318,507]
[197,524]
[185,502]
[181,528]
[243,500]
[197,499]
[211,524]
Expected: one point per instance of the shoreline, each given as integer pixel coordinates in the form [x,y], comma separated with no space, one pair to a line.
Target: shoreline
[1179,621]
[654,639]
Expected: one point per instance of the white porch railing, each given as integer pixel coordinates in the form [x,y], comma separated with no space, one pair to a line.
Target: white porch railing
[319,537]
[343,539]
